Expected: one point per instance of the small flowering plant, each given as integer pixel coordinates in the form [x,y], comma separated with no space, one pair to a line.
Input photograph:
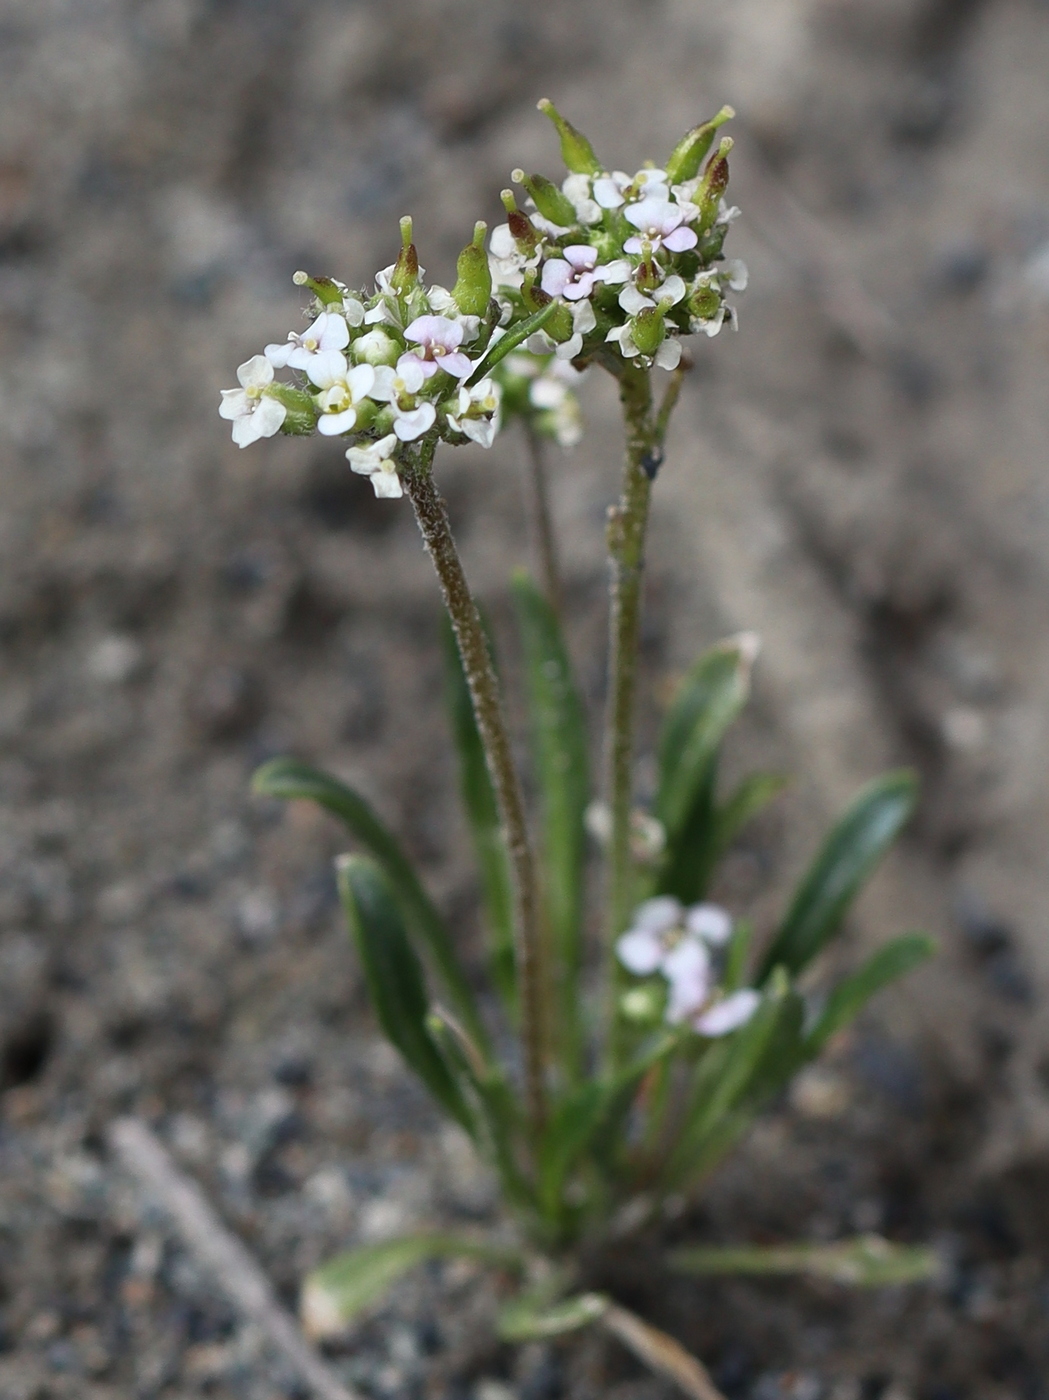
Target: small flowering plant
[616,1053]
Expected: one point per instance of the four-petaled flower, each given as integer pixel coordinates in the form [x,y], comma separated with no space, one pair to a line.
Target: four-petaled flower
[476,412]
[438,339]
[376,461]
[398,387]
[574,276]
[661,224]
[677,943]
[255,414]
[342,389]
[328,332]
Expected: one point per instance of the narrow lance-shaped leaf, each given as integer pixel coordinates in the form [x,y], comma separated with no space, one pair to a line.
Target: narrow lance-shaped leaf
[395,979]
[334,1294]
[511,340]
[848,857]
[707,701]
[559,742]
[849,997]
[483,817]
[524,1321]
[867,1261]
[287,778]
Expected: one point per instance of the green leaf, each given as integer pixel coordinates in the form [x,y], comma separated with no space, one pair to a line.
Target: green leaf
[395,979]
[754,793]
[334,1294]
[849,997]
[483,816]
[287,778]
[865,1262]
[710,830]
[511,340]
[560,747]
[848,857]
[735,974]
[707,701]
[523,1321]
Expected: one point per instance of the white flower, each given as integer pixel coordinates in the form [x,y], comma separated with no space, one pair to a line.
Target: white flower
[398,387]
[353,309]
[438,340]
[610,191]
[661,224]
[669,293]
[328,332]
[728,1015]
[583,322]
[505,260]
[376,461]
[551,392]
[254,413]
[574,276]
[577,188]
[481,426]
[687,970]
[341,388]
[444,304]
[709,922]
[668,356]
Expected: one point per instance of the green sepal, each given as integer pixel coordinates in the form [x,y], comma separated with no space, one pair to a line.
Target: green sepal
[576,151]
[850,996]
[482,813]
[341,1289]
[868,1261]
[511,340]
[687,155]
[327,291]
[395,979]
[559,744]
[848,857]
[548,199]
[287,778]
[473,287]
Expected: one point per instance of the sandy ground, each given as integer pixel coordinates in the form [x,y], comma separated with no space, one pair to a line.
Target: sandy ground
[859,475]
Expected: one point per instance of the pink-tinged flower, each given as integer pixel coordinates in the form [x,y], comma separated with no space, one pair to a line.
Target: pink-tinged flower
[375,460]
[574,276]
[660,224]
[687,970]
[709,922]
[438,339]
[728,1015]
[342,389]
[328,332]
[253,412]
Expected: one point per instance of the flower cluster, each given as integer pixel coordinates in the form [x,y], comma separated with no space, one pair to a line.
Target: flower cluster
[681,945]
[608,268]
[384,370]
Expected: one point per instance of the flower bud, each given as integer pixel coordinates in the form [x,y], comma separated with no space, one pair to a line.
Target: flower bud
[375,348]
[688,154]
[576,151]
[524,232]
[300,417]
[549,200]
[323,288]
[647,330]
[704,302]
[714,184]
[406,272]
[473,288]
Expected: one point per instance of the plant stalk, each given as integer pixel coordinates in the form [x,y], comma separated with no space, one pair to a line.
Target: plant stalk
[543,525]
[432,515]
[627,522]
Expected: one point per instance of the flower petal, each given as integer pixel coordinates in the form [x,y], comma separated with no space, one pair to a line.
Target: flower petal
[255,373]
[387,485]
[659,915]
[640,952]
[458,365]
[332,424]
[410,426]
[709,922]
[556,275]
[326,367]
[359,381]
[279,355]
[269,415]
[681,239]
[668,356]
[728,1015]
[234,403]
[607,193]
[632,301]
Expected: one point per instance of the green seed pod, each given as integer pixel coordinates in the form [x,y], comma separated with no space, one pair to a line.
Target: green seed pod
[714,184]
[323,288]
[560,326]
[576,151]
[549,200]
[406,273]
[647,330]
[704,302]
[688,154]
[473,287]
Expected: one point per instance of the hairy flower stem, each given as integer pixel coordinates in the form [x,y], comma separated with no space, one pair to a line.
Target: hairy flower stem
[543,525]
[627,521]
[432,515]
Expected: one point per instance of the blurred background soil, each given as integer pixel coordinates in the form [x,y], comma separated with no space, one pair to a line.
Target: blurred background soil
[859,475]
